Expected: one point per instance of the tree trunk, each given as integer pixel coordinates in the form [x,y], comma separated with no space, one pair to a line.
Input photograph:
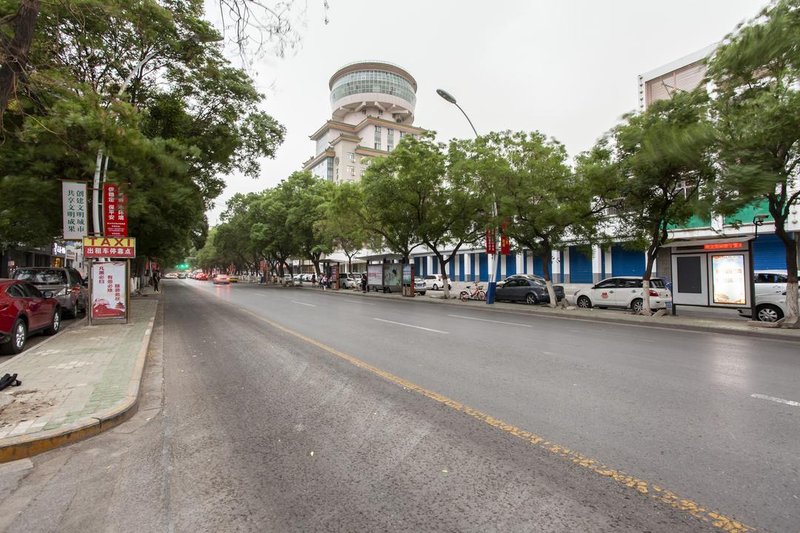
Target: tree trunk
[648,271]
[792,319]
[551,292]
[14,53]
[445,279]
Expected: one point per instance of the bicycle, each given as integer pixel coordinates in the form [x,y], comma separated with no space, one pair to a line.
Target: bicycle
[473,293]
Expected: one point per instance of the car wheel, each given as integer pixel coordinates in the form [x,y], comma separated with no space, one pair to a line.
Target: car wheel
[464,296]
[435,287]
[482,296]
[55,324]
[584,302]
[768,313]
[19,335]
[637,305]
[531,299]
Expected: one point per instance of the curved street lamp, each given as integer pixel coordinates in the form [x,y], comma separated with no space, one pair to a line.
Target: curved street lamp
[492,259]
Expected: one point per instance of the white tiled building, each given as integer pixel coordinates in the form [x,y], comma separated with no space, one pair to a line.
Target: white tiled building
[372,106]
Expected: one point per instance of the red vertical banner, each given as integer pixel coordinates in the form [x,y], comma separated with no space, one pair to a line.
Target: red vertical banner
[115,211]
[491,244]
[505,243]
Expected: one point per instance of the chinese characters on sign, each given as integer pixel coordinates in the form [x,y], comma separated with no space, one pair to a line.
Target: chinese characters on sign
[109,290]
[115,211]
[122,247]
[74,209]
[491,243]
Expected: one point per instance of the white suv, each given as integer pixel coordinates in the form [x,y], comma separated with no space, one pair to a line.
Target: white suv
[435,282]
[623,291]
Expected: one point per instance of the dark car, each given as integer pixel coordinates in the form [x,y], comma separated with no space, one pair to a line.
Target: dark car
[66,284]
[519,276]
[530,291]
[25,310]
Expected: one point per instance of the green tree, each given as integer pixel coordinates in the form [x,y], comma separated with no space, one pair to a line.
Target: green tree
[387,211]
[756,108]
[304,197]
[340,224]
[656,163]
[539,197]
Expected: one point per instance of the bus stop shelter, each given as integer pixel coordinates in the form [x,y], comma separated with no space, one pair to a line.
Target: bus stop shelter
[713,273]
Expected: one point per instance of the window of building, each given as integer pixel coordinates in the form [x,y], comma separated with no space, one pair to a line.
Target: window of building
[389,139]
[330,169]
[351,170]
[351,156]
[378,135]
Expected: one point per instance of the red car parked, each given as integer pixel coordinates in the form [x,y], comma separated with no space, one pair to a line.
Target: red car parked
[24,310]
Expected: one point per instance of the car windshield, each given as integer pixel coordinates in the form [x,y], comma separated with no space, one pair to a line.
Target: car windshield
[42,277]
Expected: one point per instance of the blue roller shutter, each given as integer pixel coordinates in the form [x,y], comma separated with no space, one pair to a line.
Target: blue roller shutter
[511,264]
[769,253]
[434,265]
[417,266]
[461,275]
[451,268]
[580,266]
[626,262]
[483,261]
[538,266]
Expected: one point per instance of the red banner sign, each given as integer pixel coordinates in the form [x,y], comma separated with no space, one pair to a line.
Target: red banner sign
[505,245]
[491,244]
[115,211]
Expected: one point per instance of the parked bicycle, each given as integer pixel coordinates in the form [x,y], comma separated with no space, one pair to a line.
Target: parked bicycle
[473,292]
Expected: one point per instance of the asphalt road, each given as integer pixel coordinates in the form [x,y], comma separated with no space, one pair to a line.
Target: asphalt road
[298,410]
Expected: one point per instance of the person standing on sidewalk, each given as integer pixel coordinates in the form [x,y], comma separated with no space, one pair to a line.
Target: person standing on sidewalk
[363,282]
[156,277]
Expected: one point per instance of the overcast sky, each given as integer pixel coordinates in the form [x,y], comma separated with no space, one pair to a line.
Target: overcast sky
[567,68]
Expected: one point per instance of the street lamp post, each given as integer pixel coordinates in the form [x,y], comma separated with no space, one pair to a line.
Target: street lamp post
[491,259]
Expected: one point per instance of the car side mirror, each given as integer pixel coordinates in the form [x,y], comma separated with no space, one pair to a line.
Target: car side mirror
[48,294]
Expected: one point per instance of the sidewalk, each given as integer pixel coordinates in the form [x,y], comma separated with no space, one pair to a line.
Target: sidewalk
[735,326]
[76,384]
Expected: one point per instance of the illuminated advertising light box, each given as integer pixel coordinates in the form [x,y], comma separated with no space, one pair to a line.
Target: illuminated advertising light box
[729,279]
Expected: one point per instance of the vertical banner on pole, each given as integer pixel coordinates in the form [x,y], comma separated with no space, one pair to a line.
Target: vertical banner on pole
[491,243]
[74,207]
[115,216]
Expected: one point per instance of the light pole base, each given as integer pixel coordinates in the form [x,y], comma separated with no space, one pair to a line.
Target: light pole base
[490,292]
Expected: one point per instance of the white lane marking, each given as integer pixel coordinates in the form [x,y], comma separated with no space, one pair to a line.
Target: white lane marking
[492,321]
[409,325]
[774,399]
[302,303]
[356,303]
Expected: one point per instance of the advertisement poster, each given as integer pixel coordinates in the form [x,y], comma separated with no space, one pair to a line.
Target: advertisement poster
[729,279]
[407,277]
[392,275]
[109,290]
[115,211]
[335,276]
[375,275]
[74,209]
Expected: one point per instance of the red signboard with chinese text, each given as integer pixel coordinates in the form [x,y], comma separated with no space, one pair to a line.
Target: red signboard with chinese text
[122,247]
[115,211]
[505,245]
[491,244]
[724,246]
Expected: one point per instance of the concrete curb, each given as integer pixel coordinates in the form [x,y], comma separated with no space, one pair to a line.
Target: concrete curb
[29,445]
[581,315]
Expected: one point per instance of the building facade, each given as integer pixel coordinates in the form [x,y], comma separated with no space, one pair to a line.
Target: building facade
[372,108]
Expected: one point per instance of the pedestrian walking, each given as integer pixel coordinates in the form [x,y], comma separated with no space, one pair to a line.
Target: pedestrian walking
[363,282]
[323,281]
[155,276]
[313,280]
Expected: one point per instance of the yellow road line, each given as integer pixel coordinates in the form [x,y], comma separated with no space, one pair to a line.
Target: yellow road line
[658,493]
